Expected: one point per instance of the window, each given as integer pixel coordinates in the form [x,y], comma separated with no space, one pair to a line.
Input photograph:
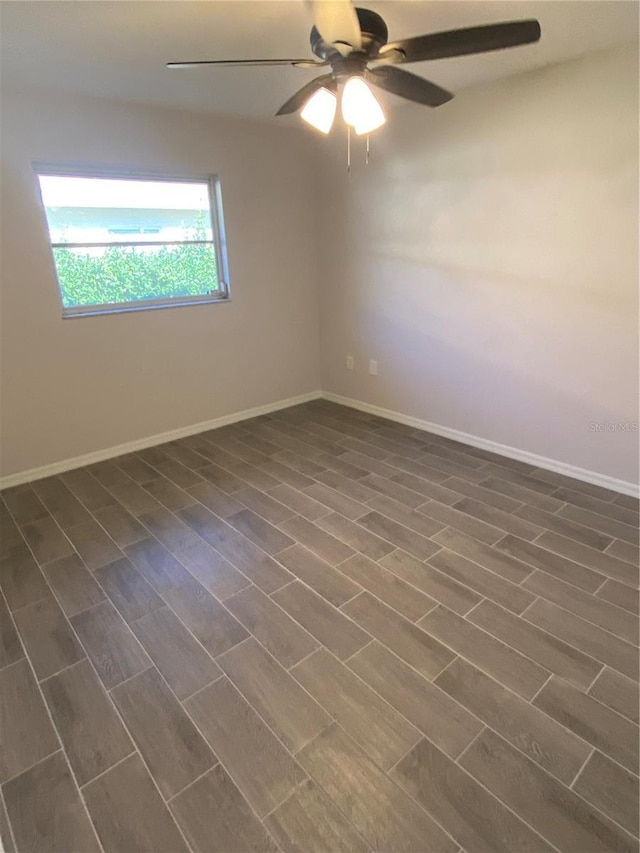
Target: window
[124,243]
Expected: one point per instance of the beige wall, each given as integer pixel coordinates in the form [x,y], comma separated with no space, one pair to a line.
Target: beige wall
[70,387]
[488,259]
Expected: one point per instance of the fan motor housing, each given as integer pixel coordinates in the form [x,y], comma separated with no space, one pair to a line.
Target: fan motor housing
[374,35]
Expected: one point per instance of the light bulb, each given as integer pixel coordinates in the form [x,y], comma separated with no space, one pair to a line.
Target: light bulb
[320,110]
[360,108]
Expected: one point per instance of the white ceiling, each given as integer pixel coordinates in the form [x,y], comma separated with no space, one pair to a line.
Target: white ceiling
[118,48]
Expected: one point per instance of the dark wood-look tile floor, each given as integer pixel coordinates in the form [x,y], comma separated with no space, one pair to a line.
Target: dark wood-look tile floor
[318,630]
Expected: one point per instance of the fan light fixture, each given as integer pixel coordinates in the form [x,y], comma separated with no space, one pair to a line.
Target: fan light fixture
[320,110]
[352,46]
[360,109]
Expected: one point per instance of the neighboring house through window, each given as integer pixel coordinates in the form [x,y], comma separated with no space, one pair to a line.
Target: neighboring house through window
[129,242]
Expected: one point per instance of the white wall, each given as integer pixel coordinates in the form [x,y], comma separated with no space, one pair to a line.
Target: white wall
[488,258]
[70,387]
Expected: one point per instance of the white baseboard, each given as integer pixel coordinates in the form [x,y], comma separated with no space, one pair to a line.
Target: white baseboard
[150,441]
[583,474]
[182,432]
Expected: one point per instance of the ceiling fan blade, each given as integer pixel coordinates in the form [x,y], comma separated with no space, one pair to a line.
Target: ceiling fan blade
[465,41]
[337,23]
[234,63]
[300,98]
[407,85]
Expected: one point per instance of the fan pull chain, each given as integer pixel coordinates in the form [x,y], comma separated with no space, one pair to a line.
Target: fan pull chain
[367,154]
[349,149]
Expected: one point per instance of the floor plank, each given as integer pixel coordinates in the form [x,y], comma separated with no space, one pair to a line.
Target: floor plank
[610,617]
[468,812]
[543,648]
[398,535]
[215,818]
[564,819]
[112,648]
[388,587]
[157,565]
[10,646]
[308,820]
[275,694]
[430,709]
[608,526]
[625,552]
[182,661]
[210,567]
[485,583]
[128,590]
[6,838]
[523,725]
[618,692]
[214,499]
[73,584]
[60,502]
[414,520]
[143,823]
[378,729]
[46,811]
[89,726]
[557,523]
[123,528]
[259,531]
[499,518]
[48,637]
[494,657]
[87,489]
[92,543]
[591,720]
[268,507]
[286,640]
[438,586]
[327,547]
[208,620]
[173,749]
[585,636]
[409,642]
[451,517]
[382,813]
[621,595]
[328,582]
[263,770]
[24,505]
[168,494]
[133,497]
[46,540]
[331,499]
[27,733]
[608,564]
[21,580]
[324,622]
[252,561]
[610,788]
[498,562]
[553,564]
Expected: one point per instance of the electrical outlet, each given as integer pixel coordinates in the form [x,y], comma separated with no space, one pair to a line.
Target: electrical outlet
[373,367]
[349,362]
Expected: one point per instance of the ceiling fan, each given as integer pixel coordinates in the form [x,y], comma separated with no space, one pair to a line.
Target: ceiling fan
[352,43]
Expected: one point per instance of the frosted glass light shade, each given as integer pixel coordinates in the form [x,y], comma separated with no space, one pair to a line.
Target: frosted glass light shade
[320,110]
[360,108]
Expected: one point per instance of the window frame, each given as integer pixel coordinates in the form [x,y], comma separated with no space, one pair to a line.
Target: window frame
[219,241]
